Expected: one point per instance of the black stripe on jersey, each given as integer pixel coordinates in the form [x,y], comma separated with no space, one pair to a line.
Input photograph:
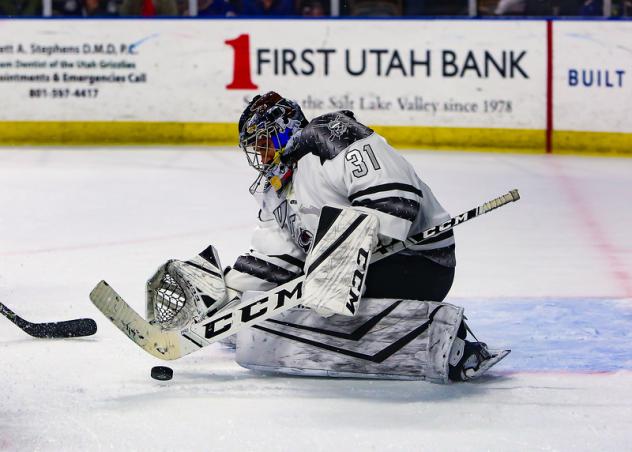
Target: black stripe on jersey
[378,357]
[263,270]
[406,209]
[290,259]
[386,187]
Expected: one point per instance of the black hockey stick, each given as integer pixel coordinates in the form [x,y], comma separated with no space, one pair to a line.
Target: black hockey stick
[66,328]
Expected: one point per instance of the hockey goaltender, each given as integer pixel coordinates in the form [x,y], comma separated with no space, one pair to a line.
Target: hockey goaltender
[348,268]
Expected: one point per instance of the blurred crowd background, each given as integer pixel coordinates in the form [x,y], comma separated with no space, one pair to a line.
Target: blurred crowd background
[315,8]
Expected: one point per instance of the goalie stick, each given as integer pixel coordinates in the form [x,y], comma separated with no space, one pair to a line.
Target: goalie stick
[51,330]
[174,344]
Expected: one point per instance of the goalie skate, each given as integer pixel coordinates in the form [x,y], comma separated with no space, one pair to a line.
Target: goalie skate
[477,359]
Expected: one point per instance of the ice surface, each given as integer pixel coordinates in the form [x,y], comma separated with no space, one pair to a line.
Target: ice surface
[549,277]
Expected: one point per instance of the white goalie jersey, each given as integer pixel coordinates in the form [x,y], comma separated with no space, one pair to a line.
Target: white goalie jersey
[337,162]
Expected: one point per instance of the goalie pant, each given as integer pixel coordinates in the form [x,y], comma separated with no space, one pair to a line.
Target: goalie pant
[387,339]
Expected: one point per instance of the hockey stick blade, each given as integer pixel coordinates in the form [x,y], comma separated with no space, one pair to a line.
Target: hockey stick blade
[173,344]
[52,330]
[160,343]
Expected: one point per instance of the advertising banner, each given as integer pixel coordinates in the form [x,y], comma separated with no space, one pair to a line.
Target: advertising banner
[593,76]
[532,85]
[405,73]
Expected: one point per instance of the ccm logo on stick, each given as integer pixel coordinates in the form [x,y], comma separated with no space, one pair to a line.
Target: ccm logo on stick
[248,313]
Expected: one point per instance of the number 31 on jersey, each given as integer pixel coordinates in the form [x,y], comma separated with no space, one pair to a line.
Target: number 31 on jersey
[357,159]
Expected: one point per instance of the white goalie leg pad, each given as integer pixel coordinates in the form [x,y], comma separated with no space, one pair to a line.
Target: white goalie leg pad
[386,339]
[336,266]
[183,292]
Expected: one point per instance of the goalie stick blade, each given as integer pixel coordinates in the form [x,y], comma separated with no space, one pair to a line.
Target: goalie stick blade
[52,330]
[163,344]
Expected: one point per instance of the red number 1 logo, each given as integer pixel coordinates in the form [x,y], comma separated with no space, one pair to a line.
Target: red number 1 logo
[241,63]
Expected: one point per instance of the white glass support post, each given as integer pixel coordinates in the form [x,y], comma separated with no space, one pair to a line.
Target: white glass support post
[472,8]
[47,8]
[335,8]
[607,8]
[193,10]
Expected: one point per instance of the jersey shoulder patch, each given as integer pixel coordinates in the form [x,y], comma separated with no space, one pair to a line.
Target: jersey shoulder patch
[326,136]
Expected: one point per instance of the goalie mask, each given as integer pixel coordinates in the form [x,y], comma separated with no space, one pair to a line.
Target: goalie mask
[265,128]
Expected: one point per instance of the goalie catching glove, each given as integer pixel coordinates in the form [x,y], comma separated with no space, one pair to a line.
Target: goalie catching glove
[184,292]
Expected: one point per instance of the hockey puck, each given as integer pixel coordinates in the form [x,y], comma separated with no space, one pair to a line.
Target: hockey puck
[162,373]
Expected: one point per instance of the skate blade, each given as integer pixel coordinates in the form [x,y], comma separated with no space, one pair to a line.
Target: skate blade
[497,356]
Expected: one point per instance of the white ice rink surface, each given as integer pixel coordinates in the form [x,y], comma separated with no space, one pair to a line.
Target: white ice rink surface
[549,277]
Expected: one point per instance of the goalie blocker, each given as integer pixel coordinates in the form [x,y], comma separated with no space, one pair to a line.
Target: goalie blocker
[337,263]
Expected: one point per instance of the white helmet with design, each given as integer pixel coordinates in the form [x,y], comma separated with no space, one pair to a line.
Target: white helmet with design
[265,128]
